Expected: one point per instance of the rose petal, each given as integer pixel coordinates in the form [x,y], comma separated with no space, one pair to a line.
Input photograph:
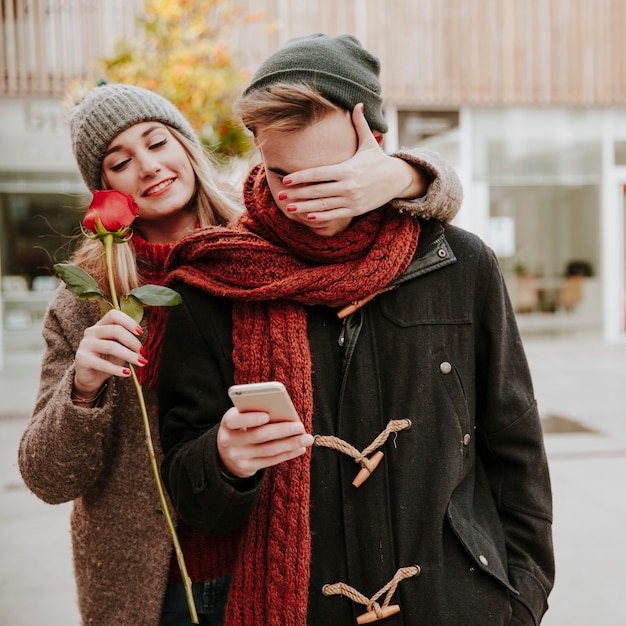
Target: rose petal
[114,209]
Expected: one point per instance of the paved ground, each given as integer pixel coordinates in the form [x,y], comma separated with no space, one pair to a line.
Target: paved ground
[581,388]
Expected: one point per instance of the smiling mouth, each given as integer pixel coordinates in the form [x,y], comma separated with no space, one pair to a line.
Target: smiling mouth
[160,187]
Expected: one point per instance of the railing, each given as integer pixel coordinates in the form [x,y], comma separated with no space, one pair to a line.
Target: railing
[46,44]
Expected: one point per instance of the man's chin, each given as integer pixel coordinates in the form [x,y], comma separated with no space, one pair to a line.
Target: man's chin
[328,230]
[324,231]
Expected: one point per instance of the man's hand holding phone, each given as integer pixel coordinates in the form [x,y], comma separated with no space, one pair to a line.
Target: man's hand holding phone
[264,431]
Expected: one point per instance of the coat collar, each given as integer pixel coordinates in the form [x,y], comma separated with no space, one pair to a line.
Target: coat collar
[433,252]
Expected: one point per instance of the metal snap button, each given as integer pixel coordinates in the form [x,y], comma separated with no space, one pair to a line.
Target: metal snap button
[445,367]
[442,253]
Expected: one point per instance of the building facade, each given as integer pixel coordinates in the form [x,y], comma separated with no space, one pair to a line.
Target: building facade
[45,45]
[526,98]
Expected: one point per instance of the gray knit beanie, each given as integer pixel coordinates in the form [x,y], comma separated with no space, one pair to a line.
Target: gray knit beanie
[338,67]
[105,112]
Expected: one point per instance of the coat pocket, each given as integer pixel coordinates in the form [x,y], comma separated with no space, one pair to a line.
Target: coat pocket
[475,522]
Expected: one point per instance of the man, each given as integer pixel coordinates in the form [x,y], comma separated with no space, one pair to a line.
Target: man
[394,336]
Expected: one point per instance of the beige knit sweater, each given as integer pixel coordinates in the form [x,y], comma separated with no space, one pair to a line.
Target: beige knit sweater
[98,457]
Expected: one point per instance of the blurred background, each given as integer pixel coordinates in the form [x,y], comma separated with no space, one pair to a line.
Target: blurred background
[526,98]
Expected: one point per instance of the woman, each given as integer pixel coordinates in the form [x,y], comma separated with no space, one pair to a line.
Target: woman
[85,440]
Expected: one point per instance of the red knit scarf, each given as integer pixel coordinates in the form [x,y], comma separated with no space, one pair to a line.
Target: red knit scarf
[272,267]
[151,263]
[151,266]
[206,556]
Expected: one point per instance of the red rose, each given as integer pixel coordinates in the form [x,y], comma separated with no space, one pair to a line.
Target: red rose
[115,210]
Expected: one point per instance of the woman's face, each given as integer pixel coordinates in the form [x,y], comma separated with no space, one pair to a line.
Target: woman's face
[149,163]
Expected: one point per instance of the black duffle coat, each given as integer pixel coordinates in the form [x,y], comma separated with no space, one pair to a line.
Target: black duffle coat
[464,493]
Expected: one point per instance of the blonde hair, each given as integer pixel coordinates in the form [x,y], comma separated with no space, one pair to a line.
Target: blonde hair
[215,203]
[283,107]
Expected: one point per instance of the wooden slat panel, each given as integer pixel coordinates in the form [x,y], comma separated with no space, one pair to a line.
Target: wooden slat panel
[490,52]
[45,44]
[39,68]
[20,48]
[64,20]
[434,53]
[9,71]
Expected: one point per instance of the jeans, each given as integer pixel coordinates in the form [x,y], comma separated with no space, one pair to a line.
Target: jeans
[210,599]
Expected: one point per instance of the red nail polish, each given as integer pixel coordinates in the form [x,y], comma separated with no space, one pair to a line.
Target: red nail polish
[291,208]
[286,181]
[142,360]
[282,195]
[310,217]
[126,372]
[139,330]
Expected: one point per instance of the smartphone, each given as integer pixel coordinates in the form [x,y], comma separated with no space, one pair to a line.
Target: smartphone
[270,397]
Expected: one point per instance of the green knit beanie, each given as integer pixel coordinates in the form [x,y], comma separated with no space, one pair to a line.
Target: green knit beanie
[338,67]
[105,112]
